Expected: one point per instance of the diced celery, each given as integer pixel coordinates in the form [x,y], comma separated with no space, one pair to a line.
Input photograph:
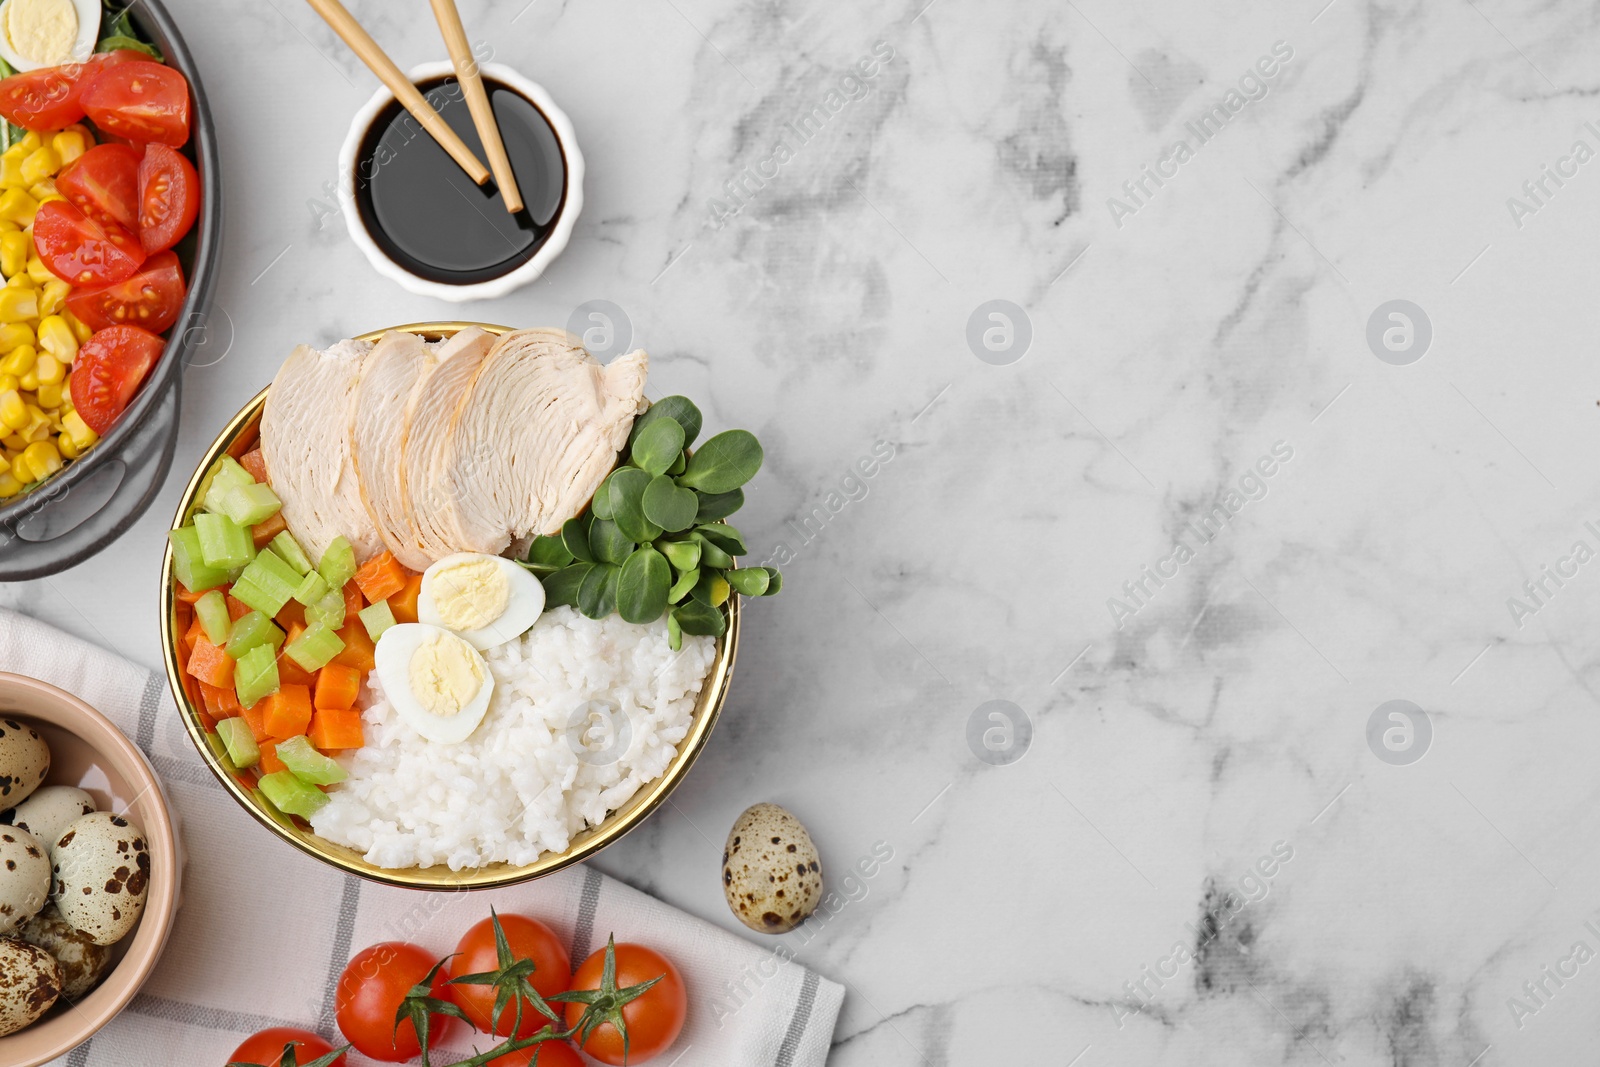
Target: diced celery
[307,764]
[312,589]
[256,675]
[315,648]
[250,504]
[338,563]
[376,618]
[329,610]
[239,741]
[268,583]
[223,542]
[252,630]
[226,475]
[214,743]
[212,610]
[286,546]
[292,796]
[189,565]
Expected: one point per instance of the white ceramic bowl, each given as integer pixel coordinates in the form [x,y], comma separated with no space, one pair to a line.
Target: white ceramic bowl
[561,228]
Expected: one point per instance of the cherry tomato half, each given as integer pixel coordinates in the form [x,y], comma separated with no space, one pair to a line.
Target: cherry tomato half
[52,99]
[528,939]
[82,250]
[653,1020]
[108,371]
[145,102]
[104,183]
[152,298]
[266,1047]
[370,991]
[169,197]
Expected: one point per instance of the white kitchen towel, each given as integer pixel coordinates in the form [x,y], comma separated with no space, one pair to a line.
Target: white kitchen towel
[264,930]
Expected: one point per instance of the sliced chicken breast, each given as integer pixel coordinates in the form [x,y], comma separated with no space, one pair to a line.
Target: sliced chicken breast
[425,495]
[390,379]
[305,440]
[538,432]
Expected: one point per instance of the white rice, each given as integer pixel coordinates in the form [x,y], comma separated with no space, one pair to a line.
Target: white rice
[518,786]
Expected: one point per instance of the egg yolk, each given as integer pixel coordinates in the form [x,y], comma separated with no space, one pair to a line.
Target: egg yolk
[42,30]
[445,674]
[470,594]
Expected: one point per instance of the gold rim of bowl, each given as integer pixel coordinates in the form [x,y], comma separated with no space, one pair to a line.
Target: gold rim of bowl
[439,877]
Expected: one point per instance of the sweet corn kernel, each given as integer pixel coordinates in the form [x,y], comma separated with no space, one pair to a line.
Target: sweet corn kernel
[5,463]
[75,428]
[50,396]
[50,370]
[38,423]
[8,382]
[44,189]
[40,164]
[15,442]
[29,381]
[68,449]
[55,336]
[32,141]
[43,459]
[9,486]
[36,268]
[70,143]
[13,412]
[17,206]
[47,198]
[19,360]
[79,330]
[15,248]
[53,297]
[11,169]
[22,281]
[18,304]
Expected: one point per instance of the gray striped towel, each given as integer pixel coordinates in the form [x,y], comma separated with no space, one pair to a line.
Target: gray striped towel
[264,931]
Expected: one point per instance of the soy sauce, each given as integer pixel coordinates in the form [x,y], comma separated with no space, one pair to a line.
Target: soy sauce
[425,213]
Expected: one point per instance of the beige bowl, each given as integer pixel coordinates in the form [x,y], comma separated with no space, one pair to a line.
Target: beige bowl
[237,438]
[87,751]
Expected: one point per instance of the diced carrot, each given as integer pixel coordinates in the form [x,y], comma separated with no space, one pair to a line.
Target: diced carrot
[210,664]
[193,634]
[337,687]
[186,596]
[237,609]
[254,715]
[353,601]
[381,577]
[288,711]
[293,614]
[254,462]
[404,603]
[291,673]
[219,703]
[207,723]
[358,647]
[262,532]
[333,729]
[270,763]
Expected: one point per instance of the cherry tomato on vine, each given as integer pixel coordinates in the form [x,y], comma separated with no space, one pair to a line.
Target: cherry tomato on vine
[653,1020]
[370,990]
[266,1047]
[528,939]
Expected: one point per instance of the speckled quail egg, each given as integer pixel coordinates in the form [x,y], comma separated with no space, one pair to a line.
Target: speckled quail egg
[771,873]
[102,873]
[24,761]
[487,600]
[30,982]
[24,878]
[83,963]
[436,682]
[50,811]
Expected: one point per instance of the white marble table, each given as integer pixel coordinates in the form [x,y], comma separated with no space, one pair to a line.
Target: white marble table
[1199,746]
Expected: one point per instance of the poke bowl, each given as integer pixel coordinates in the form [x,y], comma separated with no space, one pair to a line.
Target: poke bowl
[211,719]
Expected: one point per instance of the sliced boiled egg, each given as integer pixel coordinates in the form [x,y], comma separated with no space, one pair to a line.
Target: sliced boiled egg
[48,33]
[434,680]
[487,600]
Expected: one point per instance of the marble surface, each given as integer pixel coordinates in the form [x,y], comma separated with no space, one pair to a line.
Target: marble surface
[1201,858]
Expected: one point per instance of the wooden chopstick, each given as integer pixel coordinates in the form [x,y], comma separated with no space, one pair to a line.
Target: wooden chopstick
[455,39]
[367,50]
